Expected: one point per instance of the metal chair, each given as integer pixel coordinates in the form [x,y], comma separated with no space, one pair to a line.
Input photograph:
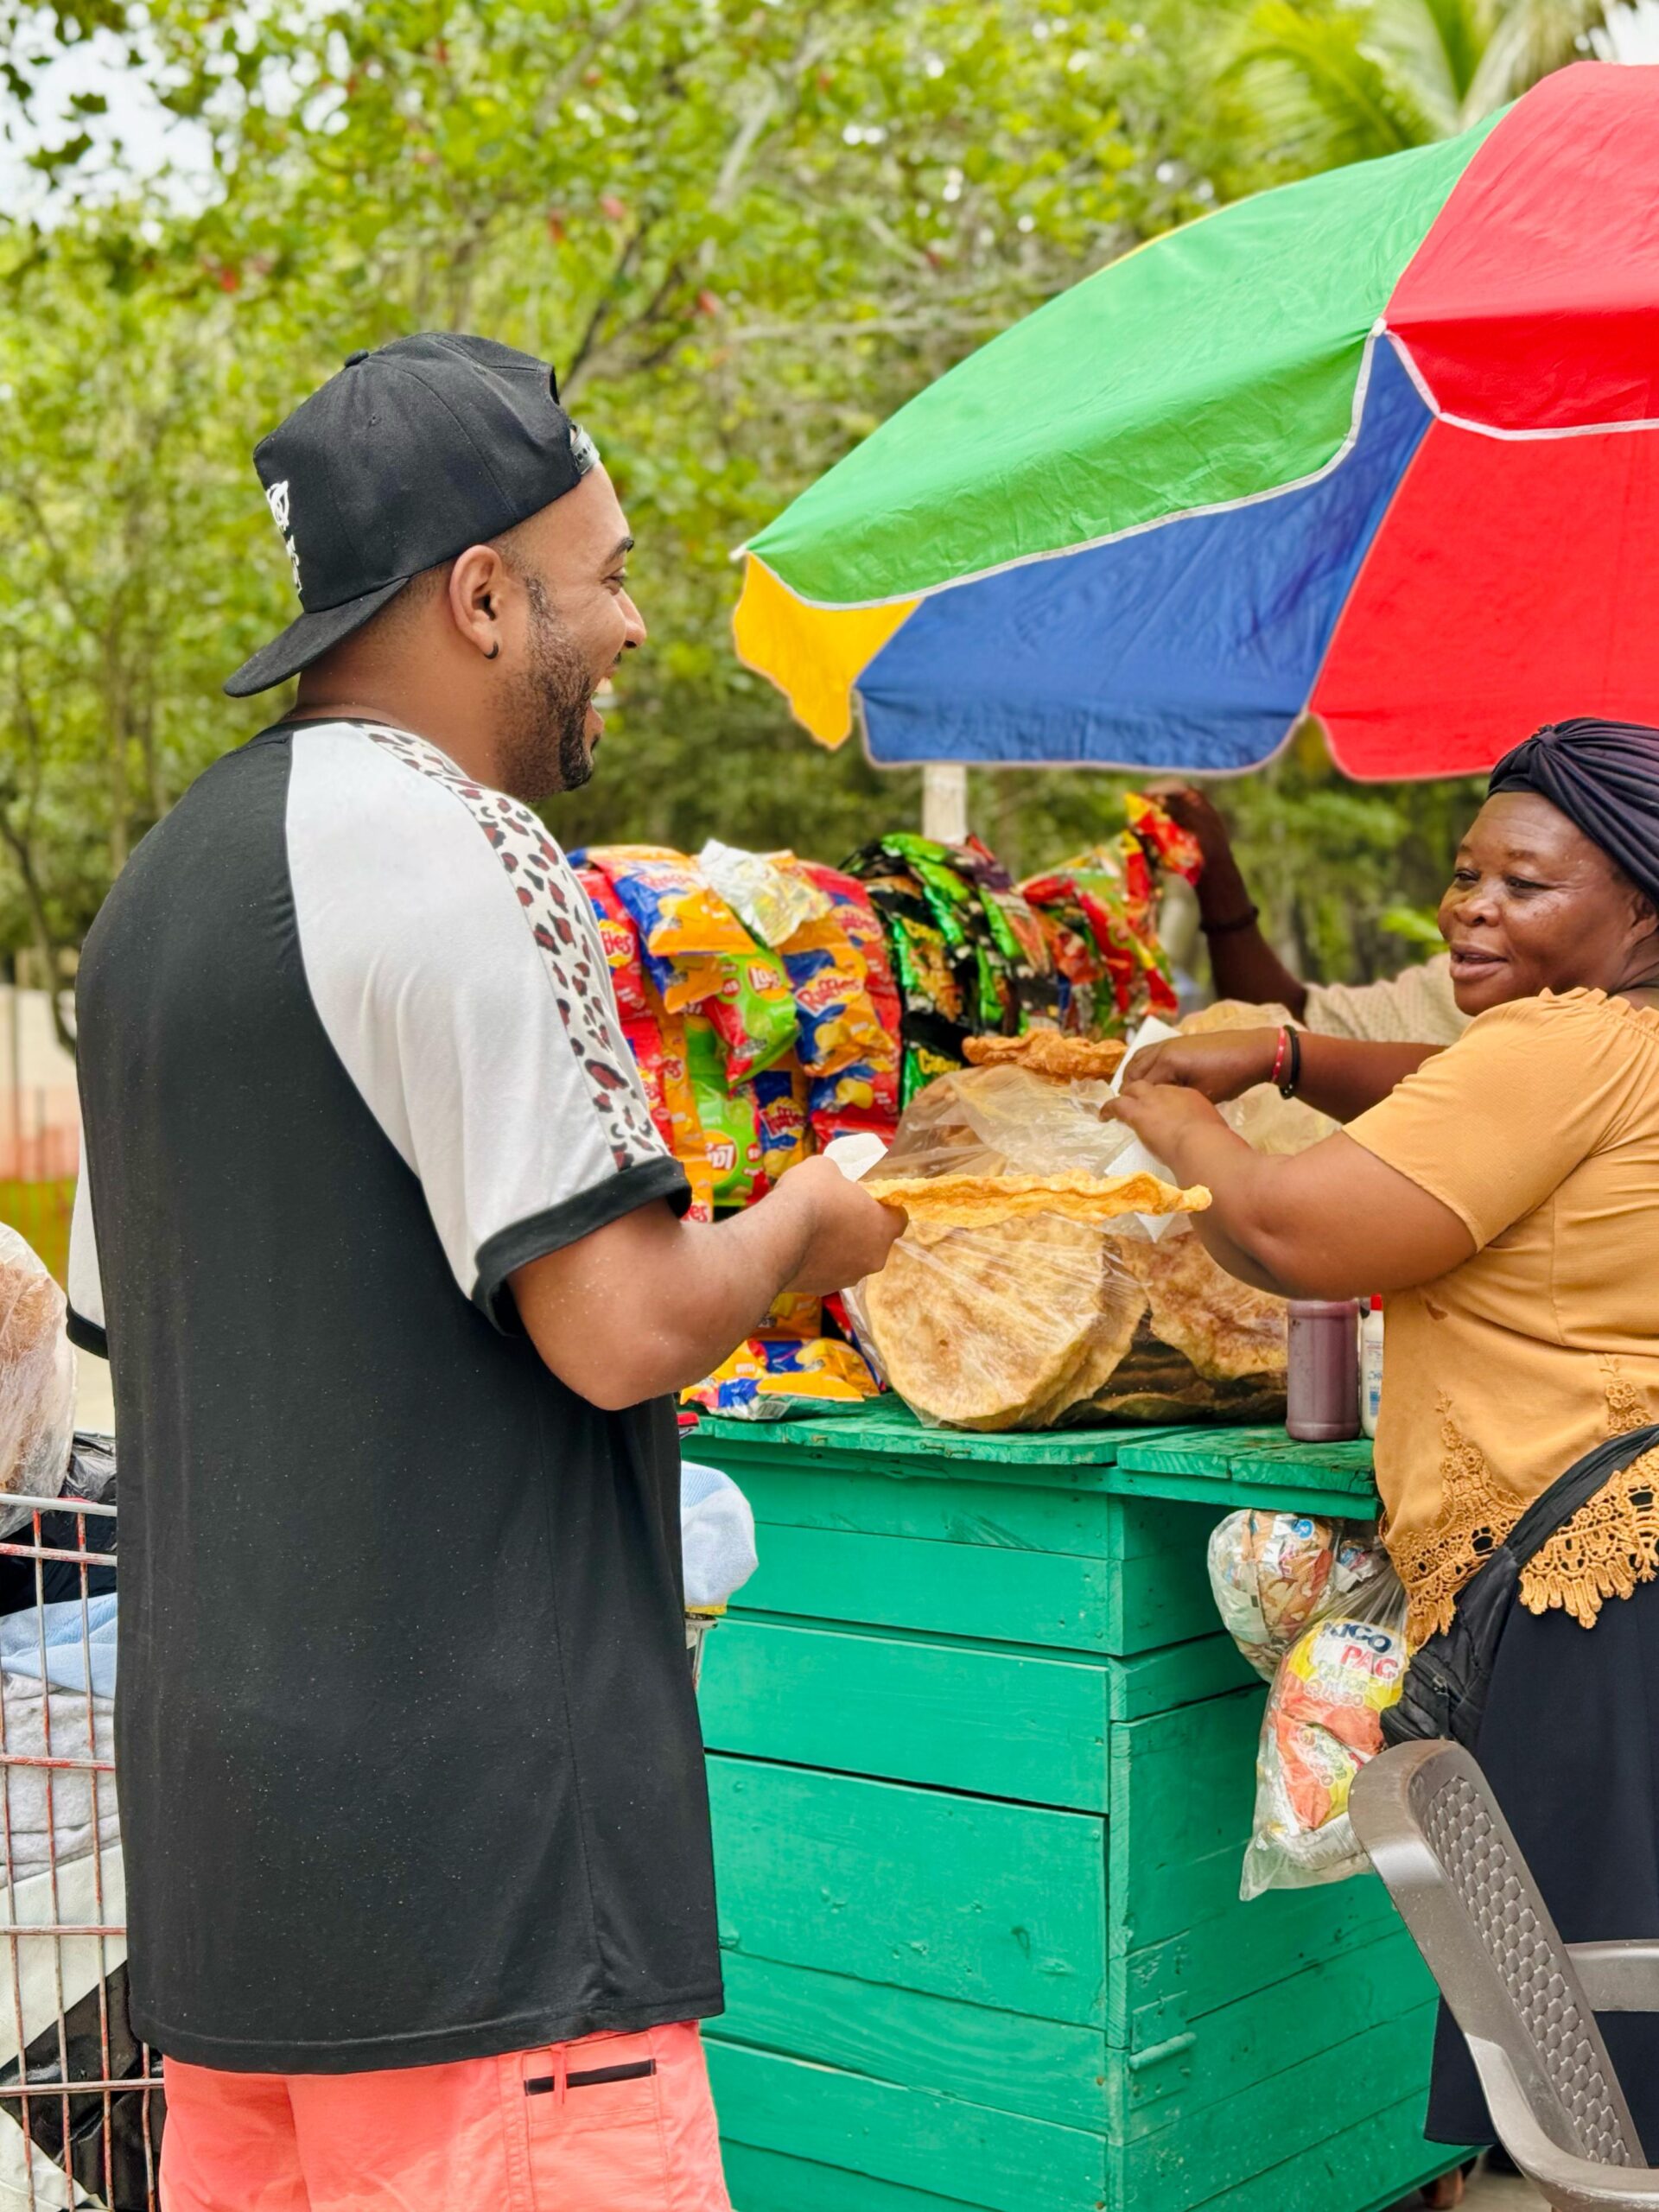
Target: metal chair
[1525,2001]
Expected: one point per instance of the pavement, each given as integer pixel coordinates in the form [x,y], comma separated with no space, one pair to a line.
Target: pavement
[1489,2193]
[1500,2193]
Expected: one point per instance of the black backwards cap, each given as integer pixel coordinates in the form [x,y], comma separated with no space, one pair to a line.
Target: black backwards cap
[404,459]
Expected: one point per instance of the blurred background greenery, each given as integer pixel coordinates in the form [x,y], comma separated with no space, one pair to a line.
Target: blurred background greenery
[745,231]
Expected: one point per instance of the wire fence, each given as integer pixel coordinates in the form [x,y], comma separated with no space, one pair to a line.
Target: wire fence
[80,2099]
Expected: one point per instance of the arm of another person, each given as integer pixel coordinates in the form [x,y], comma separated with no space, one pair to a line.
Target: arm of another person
[650,1303]
[1478,1137]
[1339,1077]
[1243,965]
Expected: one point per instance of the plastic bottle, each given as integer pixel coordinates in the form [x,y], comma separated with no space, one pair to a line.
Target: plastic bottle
[1370,1367]
[1322,1384]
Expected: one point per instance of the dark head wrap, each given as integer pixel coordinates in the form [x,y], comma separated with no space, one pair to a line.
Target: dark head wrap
[1605,778]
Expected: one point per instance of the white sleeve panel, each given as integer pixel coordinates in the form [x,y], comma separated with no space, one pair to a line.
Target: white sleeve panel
[86,1284]
[455,1022]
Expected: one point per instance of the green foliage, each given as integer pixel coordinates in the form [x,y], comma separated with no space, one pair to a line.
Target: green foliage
[745,230]
[1326,81]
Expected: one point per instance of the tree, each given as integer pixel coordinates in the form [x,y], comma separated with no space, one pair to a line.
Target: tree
[745,232]
[1329,81]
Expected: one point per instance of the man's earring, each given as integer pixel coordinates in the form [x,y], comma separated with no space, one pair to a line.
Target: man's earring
[493,650]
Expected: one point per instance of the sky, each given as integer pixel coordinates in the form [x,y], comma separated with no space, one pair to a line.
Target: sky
[140,130]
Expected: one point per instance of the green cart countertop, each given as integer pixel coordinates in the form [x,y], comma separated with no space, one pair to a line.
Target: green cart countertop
[1226,1467]
[982,1767]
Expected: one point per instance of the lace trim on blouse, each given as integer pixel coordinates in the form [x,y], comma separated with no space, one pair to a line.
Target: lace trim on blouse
[1610,1544]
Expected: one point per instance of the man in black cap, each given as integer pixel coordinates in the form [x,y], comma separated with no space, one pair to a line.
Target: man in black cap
[388,1262]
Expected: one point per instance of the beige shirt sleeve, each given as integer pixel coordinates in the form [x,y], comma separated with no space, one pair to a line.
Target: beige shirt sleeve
[1494,1124]
[1414,1007]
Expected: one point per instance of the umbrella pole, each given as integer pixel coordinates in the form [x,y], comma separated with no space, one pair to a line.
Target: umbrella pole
[944,802]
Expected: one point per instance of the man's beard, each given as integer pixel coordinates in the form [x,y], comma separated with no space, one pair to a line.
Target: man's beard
[543,746]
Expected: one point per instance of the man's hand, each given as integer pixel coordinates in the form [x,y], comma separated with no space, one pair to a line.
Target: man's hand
[851,1233]
[1219,1065]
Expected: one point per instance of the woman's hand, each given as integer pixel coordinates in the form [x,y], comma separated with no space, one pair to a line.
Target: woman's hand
[1164,1116]
[1219,1065]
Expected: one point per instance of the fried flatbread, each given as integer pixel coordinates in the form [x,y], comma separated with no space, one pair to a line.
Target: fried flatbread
[974,1201]
[984,1327]
[1044,1051]
[1224,1327]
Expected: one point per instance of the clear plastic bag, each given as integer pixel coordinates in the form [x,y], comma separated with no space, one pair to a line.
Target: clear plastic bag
[1274,1574]
[1031,1322]
[1015,1323]
[37,1381]
[1323,1723]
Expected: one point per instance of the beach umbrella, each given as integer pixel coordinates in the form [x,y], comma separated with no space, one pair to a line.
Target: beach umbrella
[1381,446]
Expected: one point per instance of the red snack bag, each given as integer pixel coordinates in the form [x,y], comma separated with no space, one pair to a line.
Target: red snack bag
[621,941]
[646,1043]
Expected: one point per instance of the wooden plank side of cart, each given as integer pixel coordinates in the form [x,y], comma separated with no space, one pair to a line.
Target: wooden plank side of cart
[982,1773]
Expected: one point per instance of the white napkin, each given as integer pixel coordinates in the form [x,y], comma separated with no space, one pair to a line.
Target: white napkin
[1134,1158]
[856,1153]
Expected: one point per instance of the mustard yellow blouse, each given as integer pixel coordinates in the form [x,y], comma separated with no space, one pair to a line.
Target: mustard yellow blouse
[1540,1130]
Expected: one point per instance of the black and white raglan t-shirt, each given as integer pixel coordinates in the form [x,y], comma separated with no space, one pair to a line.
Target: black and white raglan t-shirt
[407,1752]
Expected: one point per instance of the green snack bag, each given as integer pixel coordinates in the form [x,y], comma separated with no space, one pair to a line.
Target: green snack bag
[728,1116]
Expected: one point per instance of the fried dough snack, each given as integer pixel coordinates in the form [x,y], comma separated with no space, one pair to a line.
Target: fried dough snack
[977,1201]
[1001,1326]
[1044,1051]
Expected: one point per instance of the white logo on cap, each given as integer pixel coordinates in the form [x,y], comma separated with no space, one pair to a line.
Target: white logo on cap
[276,494]
[583,452]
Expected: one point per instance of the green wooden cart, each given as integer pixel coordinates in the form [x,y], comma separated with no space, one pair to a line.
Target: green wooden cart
[982,1765]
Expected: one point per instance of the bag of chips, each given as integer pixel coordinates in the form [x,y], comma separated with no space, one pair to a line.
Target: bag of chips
[859,1097]
[726,1117]
[861,926]
[686,1139]
[753,1013]
[770,891]
[795,1313]
[678,914]
[779,1095]
[837,1020]
[620,940]
[775,1377]
[645,1041]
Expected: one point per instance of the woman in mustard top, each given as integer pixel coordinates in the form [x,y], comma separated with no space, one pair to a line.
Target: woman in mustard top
[1504,1197]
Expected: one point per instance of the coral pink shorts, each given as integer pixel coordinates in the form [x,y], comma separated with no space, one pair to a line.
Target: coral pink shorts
[608,2124]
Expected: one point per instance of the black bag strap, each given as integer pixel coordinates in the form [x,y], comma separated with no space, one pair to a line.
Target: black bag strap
[1576,1488]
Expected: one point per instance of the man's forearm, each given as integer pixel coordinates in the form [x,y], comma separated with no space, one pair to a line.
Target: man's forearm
[651,1304]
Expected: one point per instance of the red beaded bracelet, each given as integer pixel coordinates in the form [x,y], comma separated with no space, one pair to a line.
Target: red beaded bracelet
[1280,1057]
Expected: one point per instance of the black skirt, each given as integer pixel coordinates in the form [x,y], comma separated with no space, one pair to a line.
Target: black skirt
[1570,1744]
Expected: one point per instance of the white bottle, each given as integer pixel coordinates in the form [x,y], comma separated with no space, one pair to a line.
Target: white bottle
[1370,1367]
